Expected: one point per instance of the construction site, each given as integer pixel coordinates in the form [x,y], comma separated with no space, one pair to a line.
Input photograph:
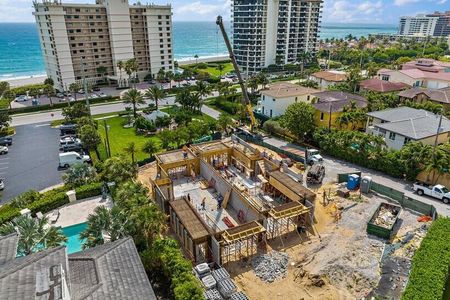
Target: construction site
[237,205]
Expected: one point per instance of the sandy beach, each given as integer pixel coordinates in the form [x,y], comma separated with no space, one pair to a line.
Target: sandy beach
[15,82]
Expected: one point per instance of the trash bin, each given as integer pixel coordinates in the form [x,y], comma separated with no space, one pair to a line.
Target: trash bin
[353,182]
[365,184]
[72,196]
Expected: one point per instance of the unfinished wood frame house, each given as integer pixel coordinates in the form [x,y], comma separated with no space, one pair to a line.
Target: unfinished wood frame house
[224,198]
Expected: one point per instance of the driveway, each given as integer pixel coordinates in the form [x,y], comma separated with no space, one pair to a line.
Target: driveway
[32,161]
[335,166]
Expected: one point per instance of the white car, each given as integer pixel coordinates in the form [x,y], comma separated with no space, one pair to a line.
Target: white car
[2,184]
[69,140]
[3,149]
[22,98]
[93,96]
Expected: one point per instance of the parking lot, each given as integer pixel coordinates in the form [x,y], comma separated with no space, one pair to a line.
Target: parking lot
[32,161]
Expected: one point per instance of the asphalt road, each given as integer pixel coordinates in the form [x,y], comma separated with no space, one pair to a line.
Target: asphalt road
[32,161]
[334,166]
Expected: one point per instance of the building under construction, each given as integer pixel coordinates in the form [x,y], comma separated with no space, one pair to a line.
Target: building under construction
[225,198]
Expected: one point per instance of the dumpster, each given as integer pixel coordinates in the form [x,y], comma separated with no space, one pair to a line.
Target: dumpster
[353,182]
[366,182]
[383,220]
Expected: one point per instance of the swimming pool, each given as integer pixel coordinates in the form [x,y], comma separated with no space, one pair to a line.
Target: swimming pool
[72,233]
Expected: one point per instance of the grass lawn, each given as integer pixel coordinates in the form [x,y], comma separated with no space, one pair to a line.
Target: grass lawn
[120,137]
[171,110]
[212,68]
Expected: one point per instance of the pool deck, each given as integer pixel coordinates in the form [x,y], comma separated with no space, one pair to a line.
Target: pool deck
[77,212]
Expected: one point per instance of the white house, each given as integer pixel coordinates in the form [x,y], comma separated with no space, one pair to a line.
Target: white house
[401,125]
[279,96]
[416,78]
[328,78]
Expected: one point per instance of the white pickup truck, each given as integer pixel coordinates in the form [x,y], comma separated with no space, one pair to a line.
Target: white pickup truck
[437,191]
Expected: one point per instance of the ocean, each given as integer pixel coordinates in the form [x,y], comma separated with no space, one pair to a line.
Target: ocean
[20,53]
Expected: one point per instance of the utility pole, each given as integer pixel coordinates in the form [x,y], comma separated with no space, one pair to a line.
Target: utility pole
[108,147]
[86,96]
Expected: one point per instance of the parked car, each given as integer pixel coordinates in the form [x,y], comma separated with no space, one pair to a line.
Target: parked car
[3,149]
[437,191]
[96,89]
[70,158]
[93,96]
[2,184]
[22,98]
[6,141]
[68,140]
[66,129]
[101,94]
[71,147]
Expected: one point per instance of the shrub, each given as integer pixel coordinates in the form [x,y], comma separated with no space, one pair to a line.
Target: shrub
[25,199]
[202,65]
[49,202]
[142,123]
[430,264]
[7,213]
[230,107]
[89,190]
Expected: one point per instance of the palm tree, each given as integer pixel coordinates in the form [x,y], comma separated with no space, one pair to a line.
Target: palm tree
[34,234]
[50,91]
[161,76]
[135,98]
[120,66]
[118,169]
[263,80]
[183,98]
[202,88]
[132,150]
[170,76]
[74,88]
[131,67]
[114,223]
[220,68]
[195,101]
[196,59]
[224,121]
[155,94]
[150,221]
[252,83]
[150,147]
[302,58]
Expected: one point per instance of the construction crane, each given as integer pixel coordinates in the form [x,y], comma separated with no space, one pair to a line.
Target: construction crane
[245,98]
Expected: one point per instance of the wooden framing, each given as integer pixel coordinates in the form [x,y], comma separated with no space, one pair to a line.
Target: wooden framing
[290,188]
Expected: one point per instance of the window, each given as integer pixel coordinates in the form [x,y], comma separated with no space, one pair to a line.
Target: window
[407,140]
[392,136]
[295,99]
[385,77]
[159,17]
[321,116]
[271,113]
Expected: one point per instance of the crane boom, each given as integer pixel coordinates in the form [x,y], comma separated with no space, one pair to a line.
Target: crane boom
[246,99]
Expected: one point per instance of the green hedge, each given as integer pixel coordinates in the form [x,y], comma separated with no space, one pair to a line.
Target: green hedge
[50,200]
[89,190]
[430,264]
[28,109]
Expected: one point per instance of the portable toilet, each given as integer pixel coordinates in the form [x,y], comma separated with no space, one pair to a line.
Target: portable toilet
[353,182]
[366,181]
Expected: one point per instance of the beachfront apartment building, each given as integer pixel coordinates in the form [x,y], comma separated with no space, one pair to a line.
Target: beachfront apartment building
[435,24]
[268,32]
[77,39]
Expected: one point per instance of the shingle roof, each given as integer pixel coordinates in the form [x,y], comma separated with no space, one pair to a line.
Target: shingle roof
[29,276]
[441,95]
[8,247]
[110,271]
[335,76]
[410,122]
[287,89]
[337,100]
[383,86]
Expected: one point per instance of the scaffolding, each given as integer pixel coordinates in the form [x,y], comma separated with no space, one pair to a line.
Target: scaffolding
[241,241]
[286,218]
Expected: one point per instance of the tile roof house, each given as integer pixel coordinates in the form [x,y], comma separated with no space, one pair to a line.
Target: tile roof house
[419,95]
[382,86]
[330,104]
[328,77]
[277,97]
[428,65]
[110,271]
[416,78]
[401,125]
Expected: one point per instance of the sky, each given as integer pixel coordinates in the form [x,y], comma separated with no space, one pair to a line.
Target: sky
[335,11]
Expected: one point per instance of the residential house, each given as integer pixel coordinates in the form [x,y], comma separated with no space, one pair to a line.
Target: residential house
[401,125]
[428,65]
[328,78]
[381,86]
[416,78]
[420,95]
[275,100]
[329,106]
[110,271]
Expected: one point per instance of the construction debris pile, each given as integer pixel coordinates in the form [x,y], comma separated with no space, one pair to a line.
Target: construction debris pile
[386,216]
[271,266]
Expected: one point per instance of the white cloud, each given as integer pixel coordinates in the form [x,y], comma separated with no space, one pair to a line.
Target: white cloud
[192,11]
[404,2]
[343,11]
